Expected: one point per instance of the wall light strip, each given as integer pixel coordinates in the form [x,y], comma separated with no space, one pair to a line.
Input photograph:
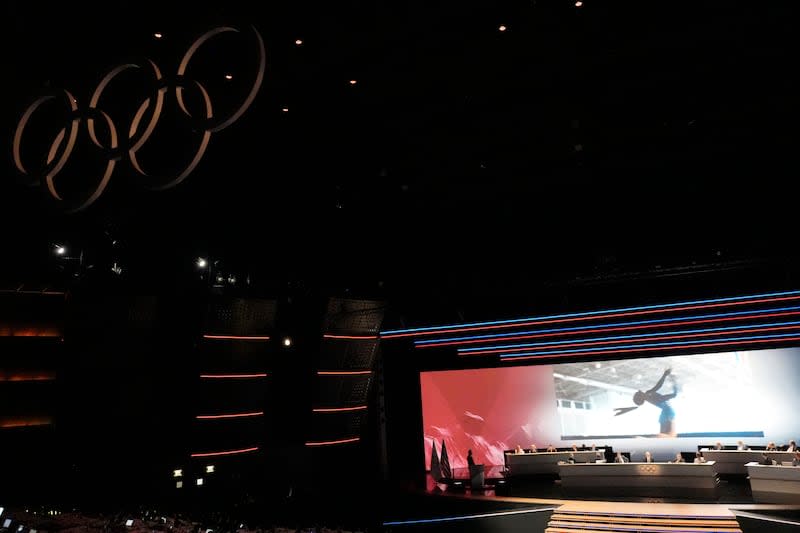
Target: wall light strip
[232,415]
[339,409]
[344,372]
[24,378]
[711,342]
[689,333]
[351,337]
[637,350]
[332,442]
[237,337]
[592,315]
[233,376]
[46,293]
[614,326]
[227,452]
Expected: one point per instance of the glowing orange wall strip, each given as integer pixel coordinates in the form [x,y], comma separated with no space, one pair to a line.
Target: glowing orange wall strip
[228,452]
[339,409]
[19,422]
[234,376]
[332,442]
[27,376]
[11,331]
[237,337]
[232,415]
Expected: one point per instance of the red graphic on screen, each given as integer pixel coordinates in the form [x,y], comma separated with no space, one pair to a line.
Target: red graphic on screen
[489,410]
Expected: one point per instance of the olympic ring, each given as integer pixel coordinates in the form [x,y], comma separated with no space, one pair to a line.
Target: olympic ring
[141,127]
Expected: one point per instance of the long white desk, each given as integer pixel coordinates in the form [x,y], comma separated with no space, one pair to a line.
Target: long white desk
[774,484]
[543,463]
[734,461]
[689,479]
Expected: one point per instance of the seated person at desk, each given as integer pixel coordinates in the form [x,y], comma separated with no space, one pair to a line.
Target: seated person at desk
[718,446]
[741,446]
[620,458]
[571,459]
[551,448]
[599,457]
[765,460]
[771,447]
[648,457]
[792,447]
[678,458]
[698,458]
[519,449]
[574,447]
[796,460]
[534,449]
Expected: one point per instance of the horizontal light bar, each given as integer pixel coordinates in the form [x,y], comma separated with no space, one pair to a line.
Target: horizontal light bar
[28,332]
[332,442]
[232,415]
[19,422]
[592,315]
[712,342]
[227,452]
[237,337]
[344,372]
[27,377]
[339,409]
[637,350]
[614,326]
[351,337]
[467,517]
[233,376]
[45,293]
[689,333]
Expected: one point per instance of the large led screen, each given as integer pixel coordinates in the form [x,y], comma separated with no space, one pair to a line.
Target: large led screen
[659,404]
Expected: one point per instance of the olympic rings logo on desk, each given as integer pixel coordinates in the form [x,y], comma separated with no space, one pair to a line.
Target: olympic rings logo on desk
[116,145]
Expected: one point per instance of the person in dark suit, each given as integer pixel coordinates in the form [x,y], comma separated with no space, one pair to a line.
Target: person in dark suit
[620,458]
[470,460]
[792,447]
[771,447]
[719,446]
[678,458]
[698,457]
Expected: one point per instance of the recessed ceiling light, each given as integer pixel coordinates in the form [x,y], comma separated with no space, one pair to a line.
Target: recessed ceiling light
[157,35]
[502,28]
[353,82]
[298,42]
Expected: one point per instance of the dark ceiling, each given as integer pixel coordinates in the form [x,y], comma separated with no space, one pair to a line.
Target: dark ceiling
[610,137]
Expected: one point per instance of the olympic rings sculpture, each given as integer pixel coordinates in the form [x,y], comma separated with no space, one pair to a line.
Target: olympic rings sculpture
[142,126]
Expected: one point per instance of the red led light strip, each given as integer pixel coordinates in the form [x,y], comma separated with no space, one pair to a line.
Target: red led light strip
[351,337]
[331,442]
[339,409]
[445,330]
[622,341]
[603,330]
[228,452]
[237,337]
[233,376]
[232,415]
[344,373]
[655,348]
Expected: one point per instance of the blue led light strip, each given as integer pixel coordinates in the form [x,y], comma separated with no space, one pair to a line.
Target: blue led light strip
[649,308]
[586,340]
[648,345]
[424,343]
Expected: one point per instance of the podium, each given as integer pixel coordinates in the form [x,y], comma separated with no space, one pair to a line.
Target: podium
[477,476]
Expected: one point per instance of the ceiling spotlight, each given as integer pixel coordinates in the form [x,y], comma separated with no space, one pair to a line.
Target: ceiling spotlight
[287,341]
[209,469]
[178,472]
[157,35]
[59,250]
[353,82]
[232,279]
[199,481]
[201,262]
[502,27]
[578,3]
[228,76]
[298,42]
[598,365]
[285,109]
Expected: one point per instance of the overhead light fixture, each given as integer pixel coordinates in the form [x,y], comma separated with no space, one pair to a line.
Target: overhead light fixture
[178,472]
[201,262]
[209,469]
[353,82]
[287,341]
[199,481]
[285,109]
[298,42]
[578,3]
[502,27]
[228,76]
[157,35]
[59,249]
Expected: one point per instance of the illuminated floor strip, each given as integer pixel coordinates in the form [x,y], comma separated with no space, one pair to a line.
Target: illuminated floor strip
[339,409]
[467,517]
[344,372]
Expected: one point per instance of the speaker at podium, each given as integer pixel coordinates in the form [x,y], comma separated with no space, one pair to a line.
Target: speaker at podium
[477,476]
